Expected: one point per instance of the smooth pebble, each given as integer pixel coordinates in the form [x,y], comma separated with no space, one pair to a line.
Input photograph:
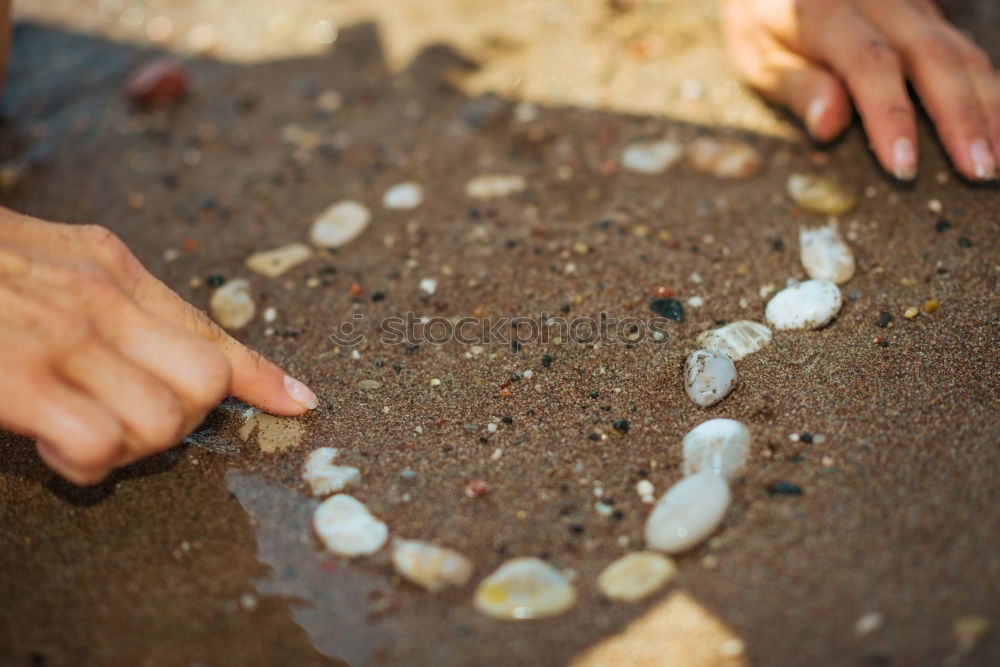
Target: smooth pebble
[687,513]
[724,158]
[719,446]
[736,339]
[651,157]
[430,566]
[347,528]
[232,306]
[708,377]
[825,255]
[403,196]
[524,588]
[489,186]
[635,576]
[325,478]
[806,305]
[273,263]
[819,195]
[340,224]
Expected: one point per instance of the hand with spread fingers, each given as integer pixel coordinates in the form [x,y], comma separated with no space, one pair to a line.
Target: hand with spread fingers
[102,363]
[816,56]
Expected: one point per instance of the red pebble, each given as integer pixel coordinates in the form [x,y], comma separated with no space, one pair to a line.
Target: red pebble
[477,488]
[663,292]
[354,289]
[157,83]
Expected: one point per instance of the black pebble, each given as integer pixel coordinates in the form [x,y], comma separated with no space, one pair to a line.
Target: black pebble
[215,280]
[668,308]
[942,225]
[378,296]
[785,489]
[883,343]
[964,242]
[515,345]
[507,420]
[576,528]
[778,245]
[593,436]
[806,438]
[593,394]
[620,424]
[883,320]
[546,360]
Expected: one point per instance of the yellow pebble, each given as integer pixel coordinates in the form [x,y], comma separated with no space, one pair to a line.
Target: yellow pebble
[911,312]
[931,305]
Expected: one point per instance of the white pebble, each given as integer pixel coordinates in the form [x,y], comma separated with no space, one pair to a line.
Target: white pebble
[708,377]
[651,157]
[719,446]
[524,588]
[736,339]
[806,305]
[347,528]
[232,306]
[825,255]
[323,477]
[429,285]
[430,566]
[819,195]
[635,576]
[723,158]
[687,513]
[489,186]
[403,196]
[868,624]
[339,224]
[644,488]
[273,263]
[270,314]
[696,302]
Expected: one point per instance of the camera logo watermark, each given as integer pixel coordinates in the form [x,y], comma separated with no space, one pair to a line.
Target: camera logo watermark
[411,329]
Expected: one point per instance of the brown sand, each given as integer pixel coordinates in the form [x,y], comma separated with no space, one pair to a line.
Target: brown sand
[204,555]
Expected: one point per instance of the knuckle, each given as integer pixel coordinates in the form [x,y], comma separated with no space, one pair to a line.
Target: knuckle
[163,428]
[977,59]
[939,49]
[214,381]
[879,52]
[106,244]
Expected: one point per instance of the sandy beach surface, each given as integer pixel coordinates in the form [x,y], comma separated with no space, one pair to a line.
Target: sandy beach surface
[205,555]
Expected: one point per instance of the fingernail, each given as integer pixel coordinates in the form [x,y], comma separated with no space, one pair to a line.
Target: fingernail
[982,159]
[904,159]
[300,393]
[814,112]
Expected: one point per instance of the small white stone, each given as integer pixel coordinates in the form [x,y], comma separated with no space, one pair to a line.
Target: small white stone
[708,377]
[651,157]
[737,339]
[347,528]
[323,477]
[806,305]
[524,588]
[724,158]
[429,285]
[403,196]
[687,513]
[273,263]
[644,488]
[340,224]
[819,195]
[525,112]
[696,302]
[635,576]
[270,314]
[430,566]
[491,427]
[489,186]
[825,255]
[719,446]
[232,306]
[868,624]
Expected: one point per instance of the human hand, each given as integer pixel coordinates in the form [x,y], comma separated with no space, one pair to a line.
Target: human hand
[101,362]
[815,56]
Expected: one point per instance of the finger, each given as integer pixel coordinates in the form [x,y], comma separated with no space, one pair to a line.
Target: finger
[938,67]
[873,71]
[153,417]
[784,77]
[84,439]
[986,84]
[254,378]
